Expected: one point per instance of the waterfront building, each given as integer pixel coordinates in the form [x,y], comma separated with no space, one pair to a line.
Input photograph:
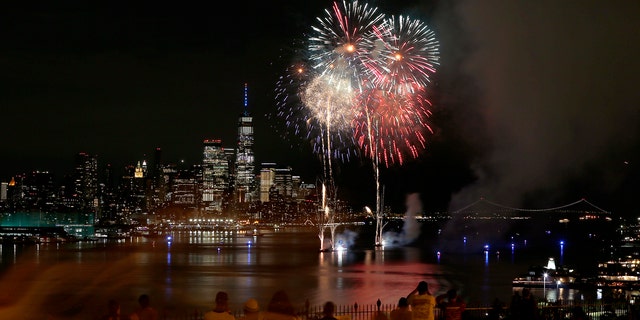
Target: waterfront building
[245,179]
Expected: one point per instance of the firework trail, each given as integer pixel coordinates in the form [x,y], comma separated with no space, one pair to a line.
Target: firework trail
[330,100]
[393,104]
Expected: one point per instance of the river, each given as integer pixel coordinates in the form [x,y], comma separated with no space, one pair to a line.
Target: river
[75,280]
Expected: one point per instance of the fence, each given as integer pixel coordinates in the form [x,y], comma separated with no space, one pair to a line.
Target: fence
[597,310]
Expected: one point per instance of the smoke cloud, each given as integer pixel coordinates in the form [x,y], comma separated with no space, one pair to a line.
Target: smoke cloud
[410,228]
[551,101]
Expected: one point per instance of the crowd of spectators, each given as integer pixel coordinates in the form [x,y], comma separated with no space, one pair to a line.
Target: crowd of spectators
[419,304]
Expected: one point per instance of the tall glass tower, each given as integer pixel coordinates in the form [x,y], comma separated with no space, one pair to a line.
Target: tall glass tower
[215,175]
[245,179]
[86,181]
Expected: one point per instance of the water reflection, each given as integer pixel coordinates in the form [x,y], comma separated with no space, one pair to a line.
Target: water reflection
[186,272]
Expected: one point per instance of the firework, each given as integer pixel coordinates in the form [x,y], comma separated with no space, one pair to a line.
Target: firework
[330,103]
[364,83]
[314,107]
[393,104]
[407,60]
[290,109]
[344,38]
[391,126]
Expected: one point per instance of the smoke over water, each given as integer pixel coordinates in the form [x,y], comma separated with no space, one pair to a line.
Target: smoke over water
[546,93]
[410,229]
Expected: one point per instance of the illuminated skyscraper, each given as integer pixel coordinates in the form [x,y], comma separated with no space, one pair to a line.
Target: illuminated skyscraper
[86,181]
[267,177]
[245,179]
[275,181]
[215,175]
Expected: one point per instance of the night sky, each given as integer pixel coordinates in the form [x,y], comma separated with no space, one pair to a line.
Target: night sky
[536,104]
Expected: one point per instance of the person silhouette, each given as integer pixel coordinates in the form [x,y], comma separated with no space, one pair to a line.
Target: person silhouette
[402,311]
[144,311]
[221,309]
[251,310]
[452,305]
[327,311]
[422,302]
[280,308]
[113,311]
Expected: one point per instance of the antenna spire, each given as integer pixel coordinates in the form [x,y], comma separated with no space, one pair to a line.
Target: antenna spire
[246,99]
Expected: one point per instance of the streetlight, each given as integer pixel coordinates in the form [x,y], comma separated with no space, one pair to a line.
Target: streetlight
[544,286]
[558,289]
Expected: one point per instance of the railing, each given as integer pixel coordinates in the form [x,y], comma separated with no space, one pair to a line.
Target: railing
[597,310]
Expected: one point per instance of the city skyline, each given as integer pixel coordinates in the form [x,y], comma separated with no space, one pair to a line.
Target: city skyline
[533,104]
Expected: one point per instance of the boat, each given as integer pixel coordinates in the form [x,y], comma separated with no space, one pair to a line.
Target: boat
[623,273]
[618,274]
[549,275]
[253,233]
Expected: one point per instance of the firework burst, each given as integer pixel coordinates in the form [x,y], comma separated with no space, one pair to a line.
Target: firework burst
[408,59]
[391,126]
[330,102]
[316,107]
[290,109]
[344,38]
[393,104]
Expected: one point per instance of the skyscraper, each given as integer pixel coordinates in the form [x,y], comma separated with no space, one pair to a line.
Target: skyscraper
[159,179]
[3,191]
[215,175]
[274,180]
[245,180]
[86,181]
[267,176]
